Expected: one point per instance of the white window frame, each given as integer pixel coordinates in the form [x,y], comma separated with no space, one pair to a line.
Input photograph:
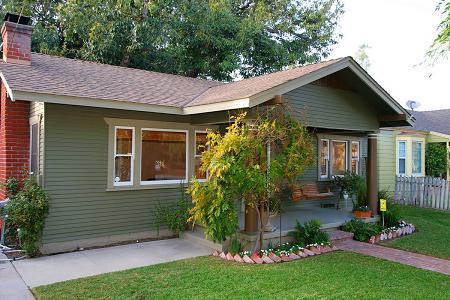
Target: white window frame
[358,158]
[326,176]
[412,157]
[199,156]
[133,149]
[32,123]
[398,156]
[332,157]
[159,182]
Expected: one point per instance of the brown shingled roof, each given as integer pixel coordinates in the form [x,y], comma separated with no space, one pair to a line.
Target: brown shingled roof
[70,77]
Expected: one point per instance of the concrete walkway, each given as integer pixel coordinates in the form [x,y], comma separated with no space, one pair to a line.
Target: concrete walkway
[11,284]
[61,267]
[404,257]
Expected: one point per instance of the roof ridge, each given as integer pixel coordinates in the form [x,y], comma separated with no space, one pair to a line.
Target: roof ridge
[128,68]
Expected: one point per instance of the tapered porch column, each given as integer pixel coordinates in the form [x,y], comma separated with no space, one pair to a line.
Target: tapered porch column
[372,182]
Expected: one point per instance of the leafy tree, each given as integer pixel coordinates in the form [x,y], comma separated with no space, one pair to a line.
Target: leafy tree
[441,44]
[216,39]
[362,57]
[436,159]
[238,167]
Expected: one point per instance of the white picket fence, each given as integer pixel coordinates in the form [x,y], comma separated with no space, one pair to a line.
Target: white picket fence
[423,192]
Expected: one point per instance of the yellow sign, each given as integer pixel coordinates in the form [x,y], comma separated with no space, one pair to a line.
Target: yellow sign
[383,205]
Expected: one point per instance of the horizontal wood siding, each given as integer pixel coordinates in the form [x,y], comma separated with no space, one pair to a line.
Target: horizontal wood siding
[325,107]
[76,165]
[386,160]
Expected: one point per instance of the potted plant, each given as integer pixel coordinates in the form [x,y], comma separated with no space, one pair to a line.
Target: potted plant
[362,212]
[348,185]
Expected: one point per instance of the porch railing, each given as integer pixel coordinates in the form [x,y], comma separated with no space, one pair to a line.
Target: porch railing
[423,192]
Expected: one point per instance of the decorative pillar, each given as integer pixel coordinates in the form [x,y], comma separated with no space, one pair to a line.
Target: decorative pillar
[372,182]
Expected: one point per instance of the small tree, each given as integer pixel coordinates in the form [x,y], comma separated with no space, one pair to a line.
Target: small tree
[436,160]
[238,167]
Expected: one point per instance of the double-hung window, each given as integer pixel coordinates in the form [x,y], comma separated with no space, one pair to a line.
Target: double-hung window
[338,157]
[163,156]
[355,157]
[123,155]
[417,158]
[324,158]
[200,147]
[401,157]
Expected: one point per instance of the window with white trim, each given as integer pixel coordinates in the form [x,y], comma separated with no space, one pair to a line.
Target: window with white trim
[355,157]
[163,156]
[417,158]
[200,147]
[338,157]
[123,155]
[34,149]
[401,157]
[324,158]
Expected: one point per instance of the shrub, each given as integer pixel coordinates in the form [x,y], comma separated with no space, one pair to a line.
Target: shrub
[175,215]
[362,231]
[436,159]
[309,233]
[392,216]
[26,215]
[235,246]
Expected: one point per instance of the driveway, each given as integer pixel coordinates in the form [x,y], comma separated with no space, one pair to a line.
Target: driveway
[60,267]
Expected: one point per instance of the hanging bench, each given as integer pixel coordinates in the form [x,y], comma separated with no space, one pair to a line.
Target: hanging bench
[310,191]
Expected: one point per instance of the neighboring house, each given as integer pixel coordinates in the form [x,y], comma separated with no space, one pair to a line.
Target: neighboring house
[109,144]
[401,150]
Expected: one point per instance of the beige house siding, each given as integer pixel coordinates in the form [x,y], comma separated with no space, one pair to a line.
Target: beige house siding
[386,162]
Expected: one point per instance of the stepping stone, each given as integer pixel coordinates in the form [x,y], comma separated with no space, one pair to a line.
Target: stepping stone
[285,258]
[255,257]
[315,250]
[294,256]
[267,259]
[215,253]
[308,252]
[274,257]
[229,256]
[238,258]
[247,259]
[223,255]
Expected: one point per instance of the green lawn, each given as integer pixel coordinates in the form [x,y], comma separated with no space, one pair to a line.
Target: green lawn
[337,275]
[433,235]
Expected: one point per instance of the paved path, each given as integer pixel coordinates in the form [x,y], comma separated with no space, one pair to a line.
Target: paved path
[404,257]
[11,285]
[61,267]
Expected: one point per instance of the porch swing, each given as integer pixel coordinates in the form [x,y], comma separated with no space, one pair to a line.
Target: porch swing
[310,191]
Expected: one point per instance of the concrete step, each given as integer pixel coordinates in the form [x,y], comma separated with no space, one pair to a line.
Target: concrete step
[339,236]
[197,235]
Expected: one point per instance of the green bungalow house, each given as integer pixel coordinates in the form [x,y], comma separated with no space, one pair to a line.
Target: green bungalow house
[401,150]
[109,143]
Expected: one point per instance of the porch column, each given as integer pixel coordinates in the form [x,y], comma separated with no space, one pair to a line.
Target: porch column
[251,219]
[372,182]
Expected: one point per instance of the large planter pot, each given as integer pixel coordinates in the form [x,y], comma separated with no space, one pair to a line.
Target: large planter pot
[362,214]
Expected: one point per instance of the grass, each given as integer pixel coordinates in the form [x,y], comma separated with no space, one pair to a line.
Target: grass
[433,235]
[335,275]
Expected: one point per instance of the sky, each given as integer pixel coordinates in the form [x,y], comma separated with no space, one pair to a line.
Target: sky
[399,33]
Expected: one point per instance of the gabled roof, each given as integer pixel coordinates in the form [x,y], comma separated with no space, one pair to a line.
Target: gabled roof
[69,81]
[432,120]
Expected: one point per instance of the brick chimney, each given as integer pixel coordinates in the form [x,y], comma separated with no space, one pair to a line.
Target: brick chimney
[14,115]
[16,35]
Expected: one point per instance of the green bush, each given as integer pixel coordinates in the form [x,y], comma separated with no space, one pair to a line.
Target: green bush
[309,233]
[392,216]
[362,231]
[175,215]
[26,215]
[235,246]
[436,159]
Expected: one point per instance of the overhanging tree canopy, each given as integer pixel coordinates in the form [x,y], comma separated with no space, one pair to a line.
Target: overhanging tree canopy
[216,39]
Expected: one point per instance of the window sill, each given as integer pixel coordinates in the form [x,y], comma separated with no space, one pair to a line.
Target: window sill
[143,187]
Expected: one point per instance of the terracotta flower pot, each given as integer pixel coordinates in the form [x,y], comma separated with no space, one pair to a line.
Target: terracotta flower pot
[362,214]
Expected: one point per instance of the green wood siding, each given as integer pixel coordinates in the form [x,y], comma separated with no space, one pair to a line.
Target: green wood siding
[324,107]
[386,160]
[76,168]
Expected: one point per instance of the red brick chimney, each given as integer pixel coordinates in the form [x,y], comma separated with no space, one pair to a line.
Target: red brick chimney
[16,35]
[14,115]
